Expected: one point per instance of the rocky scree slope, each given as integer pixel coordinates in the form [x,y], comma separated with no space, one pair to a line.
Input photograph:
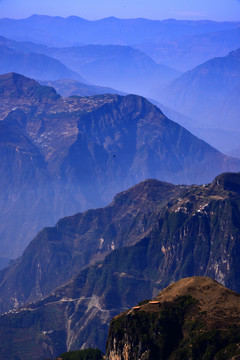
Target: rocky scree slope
[195,234]
[86,149]
[193,318]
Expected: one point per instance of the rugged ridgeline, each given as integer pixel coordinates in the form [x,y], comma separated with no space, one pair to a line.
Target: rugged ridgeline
[60,156]
[58,253]
[210,94]
[195,318]
[196,233]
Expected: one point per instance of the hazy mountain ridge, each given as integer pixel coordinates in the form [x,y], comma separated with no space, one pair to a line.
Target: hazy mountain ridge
[206,85]
[68,88]
[35,65]
[117,66]
[209,94]
[195,234]
[121,67]
[175,43]
[190,51]
[52,30]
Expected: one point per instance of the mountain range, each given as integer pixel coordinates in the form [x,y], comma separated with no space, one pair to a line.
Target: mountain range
[72,30]
[117,66]
[175,43]
[195,233]
[215,82]
[34,65]
[70,151]
[121,67]
[70,154]
[192,50]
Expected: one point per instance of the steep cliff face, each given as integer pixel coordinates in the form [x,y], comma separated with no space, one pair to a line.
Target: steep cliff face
[194,318]
[196,233]
[88,149]
[58,253]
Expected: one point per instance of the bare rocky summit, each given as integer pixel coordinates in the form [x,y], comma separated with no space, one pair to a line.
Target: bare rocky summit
[194,318]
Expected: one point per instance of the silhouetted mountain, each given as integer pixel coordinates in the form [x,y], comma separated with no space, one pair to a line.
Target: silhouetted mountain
[85,150]
[209,94]
[196,233]
[195,318]
[34,65]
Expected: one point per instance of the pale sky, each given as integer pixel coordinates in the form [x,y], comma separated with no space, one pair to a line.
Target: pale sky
[218,10]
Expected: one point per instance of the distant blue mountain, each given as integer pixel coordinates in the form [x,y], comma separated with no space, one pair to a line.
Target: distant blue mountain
[210,94]
[66,87]
[176,43]
[120,67]
[61,31]
[38,66]
[188,52]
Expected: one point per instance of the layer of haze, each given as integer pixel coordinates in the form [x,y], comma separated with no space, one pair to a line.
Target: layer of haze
[218,10]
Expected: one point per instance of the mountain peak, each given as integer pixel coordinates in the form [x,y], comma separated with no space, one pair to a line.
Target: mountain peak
[209,294]
[15,85]
[202,288]
[189,319]
[228,181]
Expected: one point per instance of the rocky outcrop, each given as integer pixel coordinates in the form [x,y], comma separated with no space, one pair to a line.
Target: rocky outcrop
[194,318]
